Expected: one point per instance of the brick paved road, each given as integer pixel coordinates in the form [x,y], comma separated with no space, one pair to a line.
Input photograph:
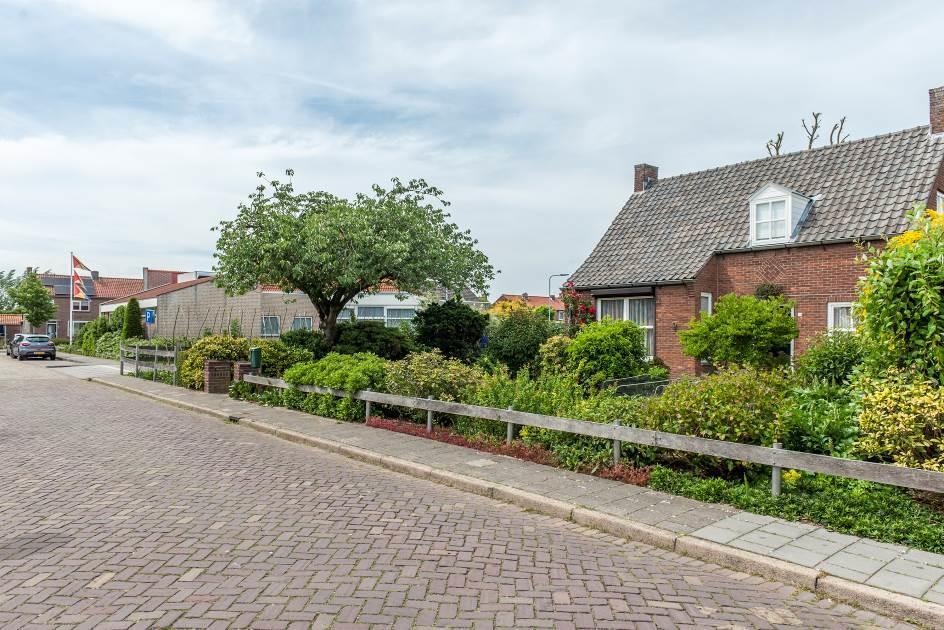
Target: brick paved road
[117,512]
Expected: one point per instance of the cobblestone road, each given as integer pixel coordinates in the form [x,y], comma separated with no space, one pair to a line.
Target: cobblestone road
[117,512]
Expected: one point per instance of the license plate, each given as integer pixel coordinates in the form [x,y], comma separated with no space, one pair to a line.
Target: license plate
[39,354]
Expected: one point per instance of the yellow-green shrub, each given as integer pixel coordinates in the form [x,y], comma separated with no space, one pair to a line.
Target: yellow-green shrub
[902,420]
[221,348]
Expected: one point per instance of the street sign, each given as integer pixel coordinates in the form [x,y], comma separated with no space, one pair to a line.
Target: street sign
[150,317]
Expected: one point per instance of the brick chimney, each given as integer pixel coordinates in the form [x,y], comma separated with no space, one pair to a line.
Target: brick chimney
[646,177]
[146,275]
[94,275]
[937,109]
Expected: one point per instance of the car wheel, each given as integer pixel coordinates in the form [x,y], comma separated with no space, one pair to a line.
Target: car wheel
[20,357]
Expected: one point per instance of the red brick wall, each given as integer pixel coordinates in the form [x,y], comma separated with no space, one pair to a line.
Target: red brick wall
[675,307]
[939,185]
[937,109]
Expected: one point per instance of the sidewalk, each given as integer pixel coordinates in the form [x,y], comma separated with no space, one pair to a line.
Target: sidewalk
[891,579]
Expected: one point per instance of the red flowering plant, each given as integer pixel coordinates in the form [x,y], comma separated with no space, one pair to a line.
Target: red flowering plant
[579,308]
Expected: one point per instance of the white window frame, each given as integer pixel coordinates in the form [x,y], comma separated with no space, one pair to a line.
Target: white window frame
[77,327]
[394,322]
[600,302]
[309,318]
[786,219]
[940,201]
[55,328]
[346,314]
[711,303]
[381,318]
[81,306]
[831,316]
[262,326]
[625,317]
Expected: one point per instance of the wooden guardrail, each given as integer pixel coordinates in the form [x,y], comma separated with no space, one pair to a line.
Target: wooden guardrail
[775,457]
[149,358]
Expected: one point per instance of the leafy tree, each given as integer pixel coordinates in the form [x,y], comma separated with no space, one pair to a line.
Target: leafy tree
[33,300]
[452,327]
[516,339]
[8,280]
[742,330]
[333,249]
[132,326]
[901,300]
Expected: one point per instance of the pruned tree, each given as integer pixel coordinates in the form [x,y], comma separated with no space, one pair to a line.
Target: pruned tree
[333,249]
[812,131]
[773,145]
[835,136]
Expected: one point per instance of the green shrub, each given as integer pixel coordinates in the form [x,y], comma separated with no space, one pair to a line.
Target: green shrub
[902,420]
[452,327]
[106,346]
[432,375]
[375,338]
[742,330]
[607,349]
[516,338]
[735,404]
[552,355]
[348,372]
[849,506]
[277,356]
[831,358]
[901,300]
[132,326]
[820,418]
[311,340]
[221,348]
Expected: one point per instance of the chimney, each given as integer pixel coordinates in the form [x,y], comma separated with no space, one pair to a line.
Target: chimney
[29,271]
[144,273]
[937,110]
[646,177]
[94,275]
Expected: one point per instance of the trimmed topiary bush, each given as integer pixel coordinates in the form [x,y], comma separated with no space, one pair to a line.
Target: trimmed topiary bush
[607,349]
[132,325]
[223,348]
[451,327]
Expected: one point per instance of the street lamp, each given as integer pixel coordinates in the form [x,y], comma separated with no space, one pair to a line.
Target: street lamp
[550,314]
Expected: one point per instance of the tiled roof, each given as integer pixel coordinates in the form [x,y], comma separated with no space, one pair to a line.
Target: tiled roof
[105,287]
[534,301]
[161,290]
[863,188]
[11,319]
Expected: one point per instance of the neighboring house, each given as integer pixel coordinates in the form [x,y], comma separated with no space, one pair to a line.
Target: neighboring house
[10,324]
[534,301]
[195,304]
[793,221]
[99,289]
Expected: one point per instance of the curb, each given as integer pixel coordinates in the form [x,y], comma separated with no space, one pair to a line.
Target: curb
[867,597]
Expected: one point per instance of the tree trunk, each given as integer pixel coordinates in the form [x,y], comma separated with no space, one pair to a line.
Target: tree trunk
[329,324]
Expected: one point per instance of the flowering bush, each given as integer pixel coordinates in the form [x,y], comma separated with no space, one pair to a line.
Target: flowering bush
[579,308]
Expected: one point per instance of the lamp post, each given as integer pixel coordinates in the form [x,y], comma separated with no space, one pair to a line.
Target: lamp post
[550,314]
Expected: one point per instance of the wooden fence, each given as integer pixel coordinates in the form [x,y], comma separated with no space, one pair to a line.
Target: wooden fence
[149,358]
[775,456]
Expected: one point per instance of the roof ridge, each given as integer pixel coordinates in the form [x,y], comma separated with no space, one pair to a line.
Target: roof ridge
[794,153]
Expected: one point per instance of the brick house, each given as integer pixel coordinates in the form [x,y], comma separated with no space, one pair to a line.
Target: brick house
[10,324]
[792,221]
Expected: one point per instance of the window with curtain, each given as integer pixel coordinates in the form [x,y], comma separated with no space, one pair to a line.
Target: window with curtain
[612,309]
[346,314]
[642,312]
[370,313]
[302,322]
[396,316]
[271,326]
[839,317]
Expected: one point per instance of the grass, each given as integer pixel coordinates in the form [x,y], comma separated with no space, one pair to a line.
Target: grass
[848,506]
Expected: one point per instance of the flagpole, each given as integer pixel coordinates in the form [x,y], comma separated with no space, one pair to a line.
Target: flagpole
[71,293]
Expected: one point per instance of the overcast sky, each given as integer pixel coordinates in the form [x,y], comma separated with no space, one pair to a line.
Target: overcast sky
[129,128]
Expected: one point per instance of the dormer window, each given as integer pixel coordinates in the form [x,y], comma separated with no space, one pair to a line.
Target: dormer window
[770,220]
[776,213]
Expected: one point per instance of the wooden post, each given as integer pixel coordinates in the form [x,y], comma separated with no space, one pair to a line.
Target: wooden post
[775,476]
[136,362]
[509,429]
[173,374]
[617,446]
[121,360]
[429,421]
[154,370]
[366,411]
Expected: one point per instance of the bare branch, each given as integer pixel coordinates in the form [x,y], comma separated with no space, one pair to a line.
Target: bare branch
[835,136]
[812,132]
[773,145]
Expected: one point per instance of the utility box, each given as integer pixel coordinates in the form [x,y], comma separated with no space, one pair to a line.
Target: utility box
[255,358]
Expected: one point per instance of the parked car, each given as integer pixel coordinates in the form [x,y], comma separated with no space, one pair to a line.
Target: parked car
[35,346]
[12,341]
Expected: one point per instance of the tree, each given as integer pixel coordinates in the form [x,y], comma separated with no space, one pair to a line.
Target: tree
[132,327]
[812,132]
[33,299]
[774,144]
[452,327]
[516,339]
[743,330]
[333,249]
[8,280]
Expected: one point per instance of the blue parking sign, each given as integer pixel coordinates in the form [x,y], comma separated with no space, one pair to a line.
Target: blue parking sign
[149,317]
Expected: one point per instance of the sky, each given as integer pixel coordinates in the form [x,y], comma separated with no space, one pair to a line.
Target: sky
[129,129]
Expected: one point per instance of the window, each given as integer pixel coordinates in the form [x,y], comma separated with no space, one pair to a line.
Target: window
[612,309]
[271,326]
[346,314]
[396,316]
[560,316]
[940,201]
[375,313]
[839,317]
[76,327]
[770,220]
[80,305]
[705,304]
[52,328]
[302,322]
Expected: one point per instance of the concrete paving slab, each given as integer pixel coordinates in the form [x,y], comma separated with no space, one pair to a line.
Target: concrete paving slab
[909,585]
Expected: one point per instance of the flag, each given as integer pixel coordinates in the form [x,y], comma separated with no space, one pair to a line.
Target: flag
[78,289]
[77,264]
